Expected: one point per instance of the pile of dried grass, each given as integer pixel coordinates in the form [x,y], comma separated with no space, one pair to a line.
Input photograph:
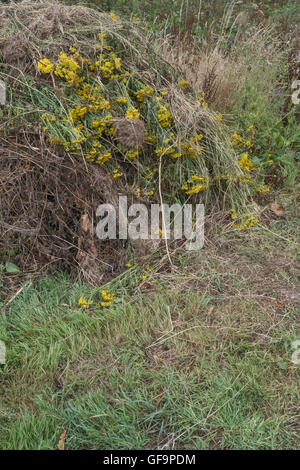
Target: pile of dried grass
[24,26]
[48,202]
[48,198]
[32,29]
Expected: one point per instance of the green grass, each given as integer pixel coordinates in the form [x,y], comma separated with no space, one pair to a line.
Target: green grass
[200,360]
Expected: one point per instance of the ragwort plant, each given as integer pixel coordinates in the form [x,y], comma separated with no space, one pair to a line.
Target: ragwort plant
[147,128]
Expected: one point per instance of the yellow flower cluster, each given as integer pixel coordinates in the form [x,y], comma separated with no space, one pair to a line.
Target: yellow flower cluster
[195,189]
[106,301]
[238,140]
[245,162]
[201,99]
[250,221]
[121,100]
[168,149]
[117,173]
[102,124]
[234,214]
[104,158]
[86,92]
[113,16]
[164,116]
[183,84]
[83,303]
[132,113]
[151,139]
[49,117]
[78,112]
[67,68]
[191,149]
[45,66]
[108,63]
[149,173]
[191,188]
[263,189]
[131,154]
[176,148]
[107,298]
[144,91]
[95,156]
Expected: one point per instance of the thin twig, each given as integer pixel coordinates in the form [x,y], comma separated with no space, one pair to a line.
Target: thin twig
[163,214]
[19,292]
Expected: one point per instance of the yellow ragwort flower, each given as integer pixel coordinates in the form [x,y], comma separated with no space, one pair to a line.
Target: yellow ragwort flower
[245,162]
[45,66]
[183,84]
[132,113]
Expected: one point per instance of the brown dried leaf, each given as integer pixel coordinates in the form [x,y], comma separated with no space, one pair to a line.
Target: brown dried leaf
[86,224]
[278,210]
[61,442]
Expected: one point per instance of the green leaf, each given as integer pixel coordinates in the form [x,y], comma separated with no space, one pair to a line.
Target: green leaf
[283,365]
[11,267]
[12,252]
